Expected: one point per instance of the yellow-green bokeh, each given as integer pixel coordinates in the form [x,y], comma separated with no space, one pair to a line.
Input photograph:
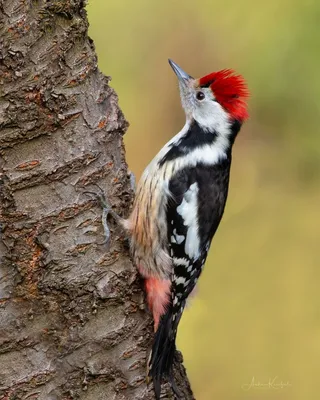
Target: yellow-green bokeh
[256,312]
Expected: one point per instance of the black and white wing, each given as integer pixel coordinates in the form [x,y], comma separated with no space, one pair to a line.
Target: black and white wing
[193,215]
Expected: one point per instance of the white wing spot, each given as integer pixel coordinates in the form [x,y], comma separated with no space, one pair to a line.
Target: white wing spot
[180,261]
[190,268]
[180,280]
[188,210]
[179,238]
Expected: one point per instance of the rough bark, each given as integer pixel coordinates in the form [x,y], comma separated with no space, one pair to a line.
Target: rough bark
[73,324]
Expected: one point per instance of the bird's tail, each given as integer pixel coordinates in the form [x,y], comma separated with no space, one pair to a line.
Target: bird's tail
[163,350]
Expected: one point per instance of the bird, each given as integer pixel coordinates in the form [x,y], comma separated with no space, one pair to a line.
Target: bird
[179,202]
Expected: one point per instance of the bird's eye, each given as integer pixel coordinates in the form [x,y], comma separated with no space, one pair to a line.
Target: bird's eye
[200,96]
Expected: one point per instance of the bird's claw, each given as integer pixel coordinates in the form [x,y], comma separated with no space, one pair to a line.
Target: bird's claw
[106,210]
[99,195]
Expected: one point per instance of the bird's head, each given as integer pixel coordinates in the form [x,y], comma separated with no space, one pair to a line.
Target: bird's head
[215,100]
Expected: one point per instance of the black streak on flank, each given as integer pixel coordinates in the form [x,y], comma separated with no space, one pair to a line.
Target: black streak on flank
[195,137]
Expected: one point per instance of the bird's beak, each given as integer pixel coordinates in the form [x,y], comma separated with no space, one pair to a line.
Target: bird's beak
[183,77]
[186,86]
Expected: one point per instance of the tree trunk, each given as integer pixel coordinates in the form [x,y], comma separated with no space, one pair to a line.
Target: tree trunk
[72,319]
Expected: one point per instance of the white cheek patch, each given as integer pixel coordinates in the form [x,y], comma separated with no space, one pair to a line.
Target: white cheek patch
[188,210]
[212,117]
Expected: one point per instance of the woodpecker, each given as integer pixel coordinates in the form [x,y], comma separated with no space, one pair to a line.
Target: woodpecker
[179,203]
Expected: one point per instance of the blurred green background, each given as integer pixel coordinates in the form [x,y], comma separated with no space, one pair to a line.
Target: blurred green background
[256,312]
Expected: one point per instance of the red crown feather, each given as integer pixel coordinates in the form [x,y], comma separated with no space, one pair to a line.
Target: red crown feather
[230,90]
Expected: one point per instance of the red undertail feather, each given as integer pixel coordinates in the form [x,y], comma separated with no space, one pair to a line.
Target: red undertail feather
[158,297]
[230,90]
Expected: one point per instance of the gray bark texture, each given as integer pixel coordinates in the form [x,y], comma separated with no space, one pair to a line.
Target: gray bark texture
[73,324]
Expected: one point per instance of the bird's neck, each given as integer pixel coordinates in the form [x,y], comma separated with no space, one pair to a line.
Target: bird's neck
[194,144]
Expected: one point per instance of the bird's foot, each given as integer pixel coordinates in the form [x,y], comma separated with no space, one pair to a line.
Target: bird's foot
[106,210]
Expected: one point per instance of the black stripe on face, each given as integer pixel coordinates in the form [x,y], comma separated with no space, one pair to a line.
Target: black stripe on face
[194,137]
